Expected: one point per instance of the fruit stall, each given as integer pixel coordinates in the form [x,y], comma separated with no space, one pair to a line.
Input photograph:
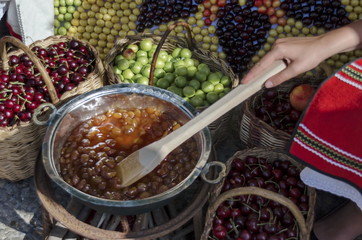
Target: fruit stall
[117,75]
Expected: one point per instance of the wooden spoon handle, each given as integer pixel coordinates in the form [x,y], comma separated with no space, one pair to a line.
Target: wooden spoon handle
[219,108]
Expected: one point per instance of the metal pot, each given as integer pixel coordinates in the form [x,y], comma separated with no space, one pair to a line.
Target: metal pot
[77,110]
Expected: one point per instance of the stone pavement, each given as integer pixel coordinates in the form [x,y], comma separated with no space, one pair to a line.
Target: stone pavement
[20,211]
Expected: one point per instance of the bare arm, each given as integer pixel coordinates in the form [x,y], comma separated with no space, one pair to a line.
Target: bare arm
[305,53]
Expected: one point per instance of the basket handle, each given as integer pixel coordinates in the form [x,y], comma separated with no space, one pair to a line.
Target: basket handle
[5,63]
[265,194]
[162,41]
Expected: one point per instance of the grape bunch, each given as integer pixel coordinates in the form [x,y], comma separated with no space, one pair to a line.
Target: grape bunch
[319,13]
[273,107]
[22,89]
[255,217]
[156,12]
[242,32]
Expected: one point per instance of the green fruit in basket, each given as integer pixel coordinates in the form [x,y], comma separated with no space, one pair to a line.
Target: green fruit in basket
[188,91]
[56,3]
[204,68]
[120,76]
[69,2]
[201,76]
[123,64]
[189,62]
[169,67]
[179,63]
[175,90]
[117,59]
[170,77]
[212,97]
[218,88]
[196,101]
[136,76]
[146,44]
[116,70]
[220,74]
[181,71]
[129,54]
[159,63]
[200,94]
[176,52]
[162,83]
[136,67]
[191,71]
[226,90]
[185,53]
[195,84]
[213,78]
[128,74]
[141,53]
[143,80]
[163,55]
[225,80]
[159,73]
[142,60]
[62,3]
[207,86]
[146,71]
[134,47]
[180,81]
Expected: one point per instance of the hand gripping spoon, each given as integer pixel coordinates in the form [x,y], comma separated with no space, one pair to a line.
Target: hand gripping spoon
[143,161]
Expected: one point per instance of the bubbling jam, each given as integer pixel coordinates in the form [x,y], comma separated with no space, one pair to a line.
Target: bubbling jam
[94,148]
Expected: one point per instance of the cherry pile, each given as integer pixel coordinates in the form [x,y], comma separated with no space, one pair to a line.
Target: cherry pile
[274,108]
[156,12]
[242,32]
[22,89]
[318,13]
[253,217]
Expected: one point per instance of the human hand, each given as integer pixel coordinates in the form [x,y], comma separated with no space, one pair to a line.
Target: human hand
[300,53]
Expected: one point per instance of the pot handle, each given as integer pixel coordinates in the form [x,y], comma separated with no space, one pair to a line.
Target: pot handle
[221,173]
[39,110]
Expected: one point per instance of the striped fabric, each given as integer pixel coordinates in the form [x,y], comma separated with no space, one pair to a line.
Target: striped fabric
[329,136]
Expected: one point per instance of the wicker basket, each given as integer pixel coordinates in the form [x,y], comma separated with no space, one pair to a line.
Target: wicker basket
[305,224]
[169,43]
[254,132]
[23,141]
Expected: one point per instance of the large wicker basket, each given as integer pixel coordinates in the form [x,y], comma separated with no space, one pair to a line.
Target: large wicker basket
[169,43]
[217,196]
[22,142]
[254,132]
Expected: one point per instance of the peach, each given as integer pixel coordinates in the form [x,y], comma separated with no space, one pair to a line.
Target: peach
[300,95]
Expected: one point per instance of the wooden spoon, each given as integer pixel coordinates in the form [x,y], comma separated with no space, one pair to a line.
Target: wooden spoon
[143,161]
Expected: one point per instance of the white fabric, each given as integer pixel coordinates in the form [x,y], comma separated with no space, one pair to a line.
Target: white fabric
[323,182]
[4,5]
[32,20]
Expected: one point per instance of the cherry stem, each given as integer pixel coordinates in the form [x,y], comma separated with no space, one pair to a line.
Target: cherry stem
[250,207]
[235,228]
[276,184]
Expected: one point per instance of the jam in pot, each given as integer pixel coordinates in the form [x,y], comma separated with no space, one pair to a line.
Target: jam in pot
[94,148]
